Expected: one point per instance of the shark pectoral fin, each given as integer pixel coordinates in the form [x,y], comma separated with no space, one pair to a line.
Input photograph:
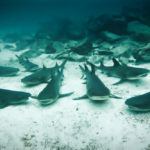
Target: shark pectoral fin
[3,105]
[119,82]
[84,82]
[46,82]
[114,96]
[66,94]
[81,97]
[34,97]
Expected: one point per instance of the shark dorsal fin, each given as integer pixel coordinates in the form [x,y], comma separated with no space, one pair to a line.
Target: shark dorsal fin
[56,65]
[82,69]
[116,63]
[44,67]
[63,63]
[27,59]
[101,64]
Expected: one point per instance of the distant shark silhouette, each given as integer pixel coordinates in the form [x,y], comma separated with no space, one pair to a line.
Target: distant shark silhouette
[28,65]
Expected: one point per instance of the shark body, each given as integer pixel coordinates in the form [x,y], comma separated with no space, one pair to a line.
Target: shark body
[51,92]
[139,103]
[8,71]
[123,71]
[10,97]
[28,65]
[95,88]
[41,76]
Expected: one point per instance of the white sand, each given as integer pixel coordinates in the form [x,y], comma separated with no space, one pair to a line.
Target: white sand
[74,125]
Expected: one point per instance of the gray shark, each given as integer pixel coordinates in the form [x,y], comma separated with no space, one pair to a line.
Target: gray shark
[10,97]
[95,88]
[8,71]
[51,92]
[123,71]
[139,103]
[28,65]
[41,76]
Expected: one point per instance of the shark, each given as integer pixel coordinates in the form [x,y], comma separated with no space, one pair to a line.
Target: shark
[139,103]
[40,76]
[10,97]
[8,71]
[27,64]
[51,93]
[95,88]
[122,71]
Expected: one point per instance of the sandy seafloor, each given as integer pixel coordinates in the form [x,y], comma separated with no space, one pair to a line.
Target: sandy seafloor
[69,124]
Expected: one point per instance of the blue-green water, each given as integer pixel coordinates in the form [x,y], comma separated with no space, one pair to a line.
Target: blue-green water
[27,16]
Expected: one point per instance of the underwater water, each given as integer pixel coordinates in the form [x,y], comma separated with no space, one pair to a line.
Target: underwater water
[74,75]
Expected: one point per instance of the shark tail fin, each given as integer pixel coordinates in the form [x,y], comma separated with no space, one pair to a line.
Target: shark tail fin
[92,68]
[86,68]
[82,69]
[63,64]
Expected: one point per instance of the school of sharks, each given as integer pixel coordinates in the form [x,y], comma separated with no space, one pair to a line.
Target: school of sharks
[122,39]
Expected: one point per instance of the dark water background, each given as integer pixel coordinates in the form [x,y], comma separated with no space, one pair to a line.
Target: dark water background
[27,16]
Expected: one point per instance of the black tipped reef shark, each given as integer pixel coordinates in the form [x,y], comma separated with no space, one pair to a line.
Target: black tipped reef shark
[95,88]
[27,64]
[48,95]
[40,76]
[51,92]
[139,102]
[122,71]
[11,97]
[8,71]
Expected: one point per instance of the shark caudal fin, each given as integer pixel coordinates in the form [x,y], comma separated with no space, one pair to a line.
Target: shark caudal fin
[86,70]
[92,68]
[63,64]
[85,67]
[82,69]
